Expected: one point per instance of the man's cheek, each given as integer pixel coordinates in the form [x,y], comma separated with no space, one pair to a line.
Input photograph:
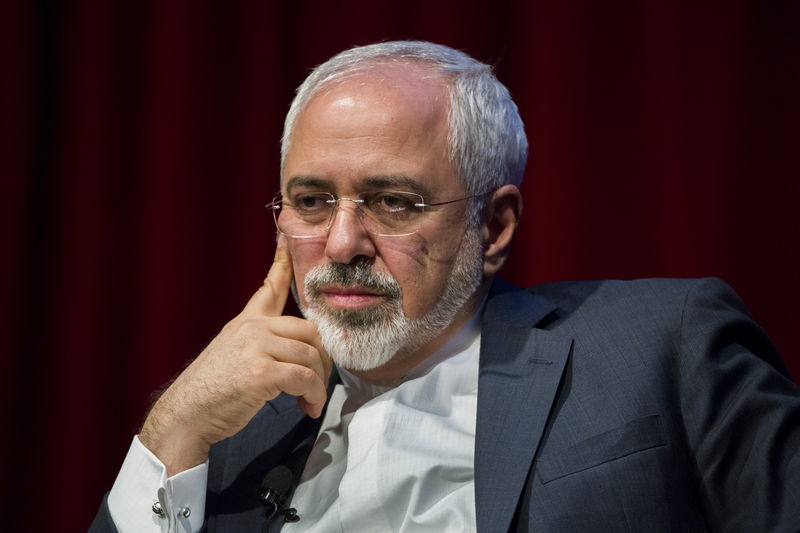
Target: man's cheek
[305,256]
[404,253]
[306,251]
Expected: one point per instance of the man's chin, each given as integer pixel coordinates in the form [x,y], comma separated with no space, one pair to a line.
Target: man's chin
[372,316]
[360,364]
[359,339]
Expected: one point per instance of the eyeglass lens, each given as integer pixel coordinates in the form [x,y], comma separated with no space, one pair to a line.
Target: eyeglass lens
[310,214]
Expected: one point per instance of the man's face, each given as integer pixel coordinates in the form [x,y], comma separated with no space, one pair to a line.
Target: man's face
[387,133]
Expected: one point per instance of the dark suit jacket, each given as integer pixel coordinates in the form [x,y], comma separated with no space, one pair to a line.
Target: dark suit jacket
[602,406]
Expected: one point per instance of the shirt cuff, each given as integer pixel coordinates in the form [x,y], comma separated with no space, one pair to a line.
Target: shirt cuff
[142,481]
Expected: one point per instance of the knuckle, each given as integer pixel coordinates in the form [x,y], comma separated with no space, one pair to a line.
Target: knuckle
[261,369]
[309,352]
[303,374]
[269,287]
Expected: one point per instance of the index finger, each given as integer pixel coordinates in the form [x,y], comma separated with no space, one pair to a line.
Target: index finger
[270,298]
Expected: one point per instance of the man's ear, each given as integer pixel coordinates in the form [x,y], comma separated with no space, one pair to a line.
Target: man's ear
[501,218]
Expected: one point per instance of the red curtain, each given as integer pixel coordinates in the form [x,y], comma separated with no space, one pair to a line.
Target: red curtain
[140,143]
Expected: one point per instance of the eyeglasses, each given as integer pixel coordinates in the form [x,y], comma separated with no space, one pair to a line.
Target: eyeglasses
[304,215]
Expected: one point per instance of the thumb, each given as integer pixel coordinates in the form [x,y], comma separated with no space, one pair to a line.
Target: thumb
[270,298]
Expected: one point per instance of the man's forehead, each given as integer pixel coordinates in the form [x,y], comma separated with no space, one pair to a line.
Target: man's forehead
[383,129]
[386,87]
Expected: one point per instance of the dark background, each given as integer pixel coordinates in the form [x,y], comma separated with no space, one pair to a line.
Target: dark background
[140,143]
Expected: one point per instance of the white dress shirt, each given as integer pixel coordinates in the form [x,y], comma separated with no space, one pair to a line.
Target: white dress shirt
[142,481]
[399,458]
[387,458]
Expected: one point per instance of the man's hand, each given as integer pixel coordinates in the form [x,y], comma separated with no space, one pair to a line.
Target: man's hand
[257,355]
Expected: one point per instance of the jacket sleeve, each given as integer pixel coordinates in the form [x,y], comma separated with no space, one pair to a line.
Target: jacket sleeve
[741,413]
[103,522]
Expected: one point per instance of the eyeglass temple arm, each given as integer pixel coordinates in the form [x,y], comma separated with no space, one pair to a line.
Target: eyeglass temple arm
[454,201]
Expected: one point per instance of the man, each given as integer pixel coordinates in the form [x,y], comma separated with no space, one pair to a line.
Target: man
[457,403]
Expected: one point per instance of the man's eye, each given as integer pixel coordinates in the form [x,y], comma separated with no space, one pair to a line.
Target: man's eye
[310,202]
[391,202]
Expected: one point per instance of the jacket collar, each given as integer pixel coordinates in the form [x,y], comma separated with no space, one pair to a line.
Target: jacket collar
[521,366]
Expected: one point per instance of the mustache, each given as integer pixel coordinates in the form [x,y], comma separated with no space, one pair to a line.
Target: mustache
[356,274]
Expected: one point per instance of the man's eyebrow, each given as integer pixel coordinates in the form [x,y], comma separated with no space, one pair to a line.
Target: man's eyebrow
[307,181]
[398,183]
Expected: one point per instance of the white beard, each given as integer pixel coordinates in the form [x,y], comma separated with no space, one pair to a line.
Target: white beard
[364,339]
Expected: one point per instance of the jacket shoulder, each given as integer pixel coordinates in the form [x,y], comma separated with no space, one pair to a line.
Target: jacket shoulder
[613,289]
[656,296]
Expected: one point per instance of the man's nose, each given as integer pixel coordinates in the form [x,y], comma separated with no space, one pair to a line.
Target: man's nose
[347,237]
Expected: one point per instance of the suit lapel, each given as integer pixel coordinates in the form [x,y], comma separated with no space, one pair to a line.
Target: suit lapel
[520,370]
[280,434]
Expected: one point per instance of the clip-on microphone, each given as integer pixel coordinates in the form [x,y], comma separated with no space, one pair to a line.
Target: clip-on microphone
[274,490]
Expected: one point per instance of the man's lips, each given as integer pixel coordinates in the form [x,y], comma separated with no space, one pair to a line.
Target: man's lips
[350,297]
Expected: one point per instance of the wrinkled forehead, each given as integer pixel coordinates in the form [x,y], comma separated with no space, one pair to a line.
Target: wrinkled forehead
[409,95]
[393,103]
[384,91]
[396,117]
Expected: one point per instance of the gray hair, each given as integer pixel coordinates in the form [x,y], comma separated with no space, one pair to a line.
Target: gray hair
[487,143]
